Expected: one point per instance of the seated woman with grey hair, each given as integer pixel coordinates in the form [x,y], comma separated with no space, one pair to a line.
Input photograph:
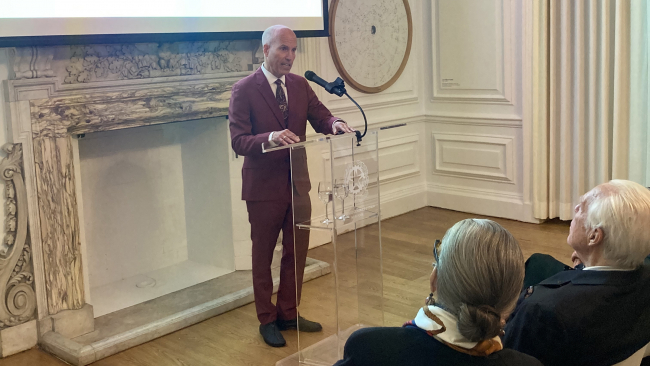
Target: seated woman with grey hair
[478,273]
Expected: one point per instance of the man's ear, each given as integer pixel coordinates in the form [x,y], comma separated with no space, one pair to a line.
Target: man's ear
[266,48]
[596,237]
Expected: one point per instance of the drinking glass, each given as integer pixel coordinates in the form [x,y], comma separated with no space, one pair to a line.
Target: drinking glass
[325,195]
[341,190]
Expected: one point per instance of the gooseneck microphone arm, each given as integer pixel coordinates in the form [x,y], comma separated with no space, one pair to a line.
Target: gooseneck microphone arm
[365,121]
[338,87]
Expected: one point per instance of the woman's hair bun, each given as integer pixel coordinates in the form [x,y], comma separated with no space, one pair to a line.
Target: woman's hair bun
[477,323]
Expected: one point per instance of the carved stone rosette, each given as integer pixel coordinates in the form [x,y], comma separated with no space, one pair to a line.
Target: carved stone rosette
[16,271]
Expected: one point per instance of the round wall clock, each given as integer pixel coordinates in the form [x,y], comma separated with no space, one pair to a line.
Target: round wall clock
[370,41]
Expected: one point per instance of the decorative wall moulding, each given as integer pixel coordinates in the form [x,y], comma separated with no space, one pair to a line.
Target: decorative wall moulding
[470,96]
[499,120]
[474,156]
[18,302]
[378,101]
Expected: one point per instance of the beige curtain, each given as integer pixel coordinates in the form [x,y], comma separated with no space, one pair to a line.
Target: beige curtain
[581,100]
[639,164]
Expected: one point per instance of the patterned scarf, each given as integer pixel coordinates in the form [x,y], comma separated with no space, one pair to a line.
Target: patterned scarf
[443,326]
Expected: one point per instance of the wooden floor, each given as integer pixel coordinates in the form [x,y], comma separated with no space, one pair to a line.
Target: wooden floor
[232,338]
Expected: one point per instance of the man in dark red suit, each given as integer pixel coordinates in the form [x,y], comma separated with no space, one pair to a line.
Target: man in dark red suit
[272,106]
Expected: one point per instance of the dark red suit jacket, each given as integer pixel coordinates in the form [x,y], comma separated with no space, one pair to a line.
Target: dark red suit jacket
[254,113]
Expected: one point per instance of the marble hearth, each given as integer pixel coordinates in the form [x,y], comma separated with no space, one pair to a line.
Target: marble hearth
[131,199]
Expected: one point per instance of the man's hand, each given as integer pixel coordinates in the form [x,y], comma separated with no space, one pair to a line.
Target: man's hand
[340,125]
[284,137]
[574,258]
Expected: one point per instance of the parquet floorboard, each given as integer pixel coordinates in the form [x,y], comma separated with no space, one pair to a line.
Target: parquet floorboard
[232,339]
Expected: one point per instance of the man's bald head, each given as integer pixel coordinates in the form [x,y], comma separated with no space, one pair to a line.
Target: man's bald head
[280,45]
[273,32]
[621,210]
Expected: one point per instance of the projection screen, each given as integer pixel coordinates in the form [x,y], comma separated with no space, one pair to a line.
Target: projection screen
[50,22]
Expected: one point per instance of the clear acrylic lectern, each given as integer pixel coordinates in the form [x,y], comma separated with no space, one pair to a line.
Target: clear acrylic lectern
[335,186]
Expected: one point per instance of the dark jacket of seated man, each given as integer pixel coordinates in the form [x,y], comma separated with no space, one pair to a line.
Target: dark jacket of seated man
[413,347]
[583,317]
[598,315]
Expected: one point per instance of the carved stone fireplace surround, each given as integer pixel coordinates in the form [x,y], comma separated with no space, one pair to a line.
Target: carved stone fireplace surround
[58,93]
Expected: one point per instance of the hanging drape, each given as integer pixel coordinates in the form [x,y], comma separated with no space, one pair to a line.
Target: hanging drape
[581,100]
[639,166]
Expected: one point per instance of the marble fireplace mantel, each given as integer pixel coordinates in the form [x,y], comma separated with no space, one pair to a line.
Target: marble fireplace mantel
[58,93]
[46,127]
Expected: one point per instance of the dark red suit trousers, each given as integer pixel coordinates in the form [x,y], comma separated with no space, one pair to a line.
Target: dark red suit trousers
[267,218]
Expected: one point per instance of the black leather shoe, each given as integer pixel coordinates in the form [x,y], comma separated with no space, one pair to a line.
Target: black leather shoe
[300,323]
[272,335]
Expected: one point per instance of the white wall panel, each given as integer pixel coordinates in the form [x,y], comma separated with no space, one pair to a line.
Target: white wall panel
[474,59]
[398,157]
[474,107]
[471,51]
[499,170]
[402,164]
[474,156]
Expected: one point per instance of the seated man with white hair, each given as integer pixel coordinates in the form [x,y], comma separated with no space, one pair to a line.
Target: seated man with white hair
[599,313]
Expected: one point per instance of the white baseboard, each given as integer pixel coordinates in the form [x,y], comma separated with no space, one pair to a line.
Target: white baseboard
[402,200]
[481,202]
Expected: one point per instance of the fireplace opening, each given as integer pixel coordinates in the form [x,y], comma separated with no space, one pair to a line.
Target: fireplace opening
[156,210]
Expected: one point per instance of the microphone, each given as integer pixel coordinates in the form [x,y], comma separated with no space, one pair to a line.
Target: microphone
[336,87]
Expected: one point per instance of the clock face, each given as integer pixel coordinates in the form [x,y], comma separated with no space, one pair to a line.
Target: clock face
[370,41]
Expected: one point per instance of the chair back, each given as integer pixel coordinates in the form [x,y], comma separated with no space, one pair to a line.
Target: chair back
[636,358]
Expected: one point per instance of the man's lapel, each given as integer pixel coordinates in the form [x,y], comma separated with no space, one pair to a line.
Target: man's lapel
[266,92]
[293,97]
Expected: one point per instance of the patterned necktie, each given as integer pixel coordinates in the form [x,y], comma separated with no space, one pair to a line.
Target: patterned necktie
[282,101]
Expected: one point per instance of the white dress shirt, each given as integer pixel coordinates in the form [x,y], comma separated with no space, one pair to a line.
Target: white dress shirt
[605,268]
